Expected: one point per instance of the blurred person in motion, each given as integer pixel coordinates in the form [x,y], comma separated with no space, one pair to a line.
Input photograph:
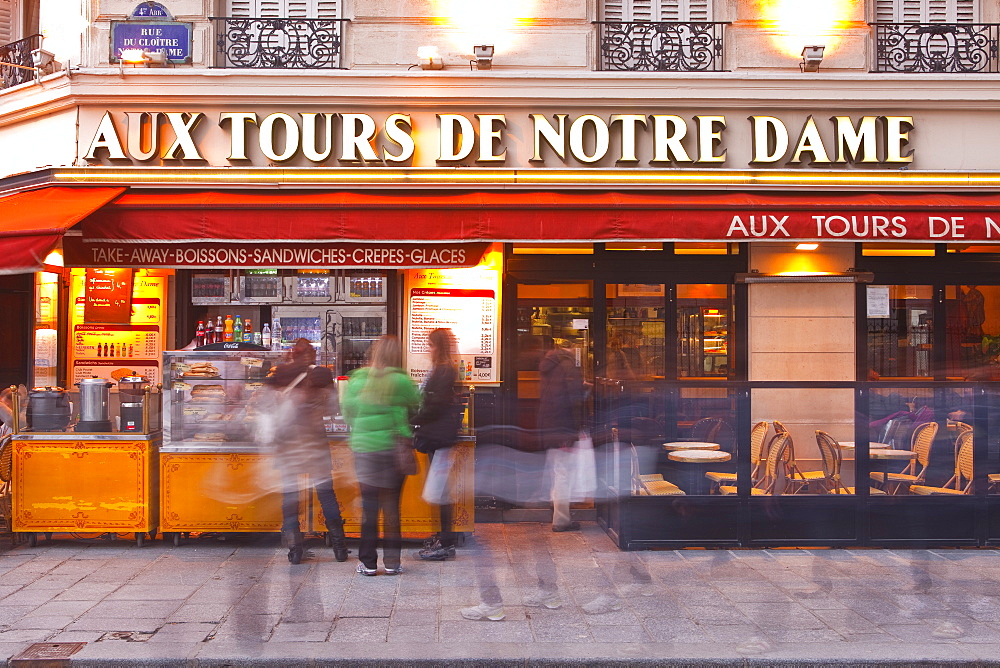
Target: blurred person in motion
[378,405]
[303,451]
[561,415]
[438,422]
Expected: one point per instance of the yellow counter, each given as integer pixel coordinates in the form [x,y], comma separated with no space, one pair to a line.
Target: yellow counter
[240,492]
[84,483]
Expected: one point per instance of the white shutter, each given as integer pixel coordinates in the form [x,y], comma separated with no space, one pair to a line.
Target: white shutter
[684,10]
[284,9]
[927,11]
[8,30]
[641,10]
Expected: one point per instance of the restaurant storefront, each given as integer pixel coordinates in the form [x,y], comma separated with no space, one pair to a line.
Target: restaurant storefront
[748,389]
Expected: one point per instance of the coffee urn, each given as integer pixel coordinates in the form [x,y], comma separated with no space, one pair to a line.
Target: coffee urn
[95,398]
[49,409]
[132,393]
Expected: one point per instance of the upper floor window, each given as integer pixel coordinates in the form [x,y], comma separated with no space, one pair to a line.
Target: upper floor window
[283,9]
[926,11]
[656,10]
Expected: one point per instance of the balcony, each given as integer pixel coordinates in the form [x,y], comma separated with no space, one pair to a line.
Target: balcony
[645,46]
[16,66]
[936,47]
[272,43]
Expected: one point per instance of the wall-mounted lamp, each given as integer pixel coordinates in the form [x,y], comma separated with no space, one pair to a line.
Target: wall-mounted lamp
[429,58]
[143,57]
[812,56]
[484,56]
[44,61]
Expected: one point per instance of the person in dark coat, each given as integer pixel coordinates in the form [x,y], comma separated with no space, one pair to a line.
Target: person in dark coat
[304,449]
[560,419]
[438,422]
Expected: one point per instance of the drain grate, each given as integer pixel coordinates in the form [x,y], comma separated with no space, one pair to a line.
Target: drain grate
[47,654]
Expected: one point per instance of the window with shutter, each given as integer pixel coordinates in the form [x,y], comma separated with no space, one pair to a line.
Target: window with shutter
[656,10]
[8,30]
[294,9]
[926,11]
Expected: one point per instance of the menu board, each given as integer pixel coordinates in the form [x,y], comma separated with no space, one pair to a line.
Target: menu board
[108,296]
[465,300]
[107,350]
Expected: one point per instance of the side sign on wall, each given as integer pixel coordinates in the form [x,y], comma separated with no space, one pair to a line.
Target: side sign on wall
[150,28]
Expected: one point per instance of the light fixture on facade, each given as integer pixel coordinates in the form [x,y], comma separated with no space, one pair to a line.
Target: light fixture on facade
[144,57]
[429,58]
[806,247]
[849,276]
[484,56]
[44,61]
[812,56]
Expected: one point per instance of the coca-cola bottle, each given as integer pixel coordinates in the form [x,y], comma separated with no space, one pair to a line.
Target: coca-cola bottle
[219,330]
[199,334]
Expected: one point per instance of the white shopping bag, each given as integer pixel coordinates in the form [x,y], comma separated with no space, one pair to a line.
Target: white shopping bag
[583,469]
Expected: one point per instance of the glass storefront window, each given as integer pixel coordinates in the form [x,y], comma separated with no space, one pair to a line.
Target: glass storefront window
[900,331]
[706,248]
[973,331]
[635,331]
[704,315]
[553,249]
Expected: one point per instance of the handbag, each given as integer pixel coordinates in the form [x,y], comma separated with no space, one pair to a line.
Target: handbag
[406,461]
[275,414]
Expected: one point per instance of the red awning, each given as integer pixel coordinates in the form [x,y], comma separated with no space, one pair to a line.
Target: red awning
[32,222]
[164,216]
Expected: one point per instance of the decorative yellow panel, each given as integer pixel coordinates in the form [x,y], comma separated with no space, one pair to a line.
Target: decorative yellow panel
[228,492]
[83,486]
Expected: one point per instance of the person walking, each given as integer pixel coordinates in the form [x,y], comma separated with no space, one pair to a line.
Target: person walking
[438,422]
[378,404]
[303,452]
[560,420]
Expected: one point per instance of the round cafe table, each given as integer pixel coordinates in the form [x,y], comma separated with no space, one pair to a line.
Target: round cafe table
[690,445]
[883,456]
[851,445]
[697,482]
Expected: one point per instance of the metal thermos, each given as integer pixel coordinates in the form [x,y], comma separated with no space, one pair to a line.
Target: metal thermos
[48,409]
[132,392]
[95,398]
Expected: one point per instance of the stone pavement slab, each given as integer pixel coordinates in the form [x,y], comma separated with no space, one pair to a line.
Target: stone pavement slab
[238,602]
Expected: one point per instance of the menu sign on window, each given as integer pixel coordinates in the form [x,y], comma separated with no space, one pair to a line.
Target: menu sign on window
[108,296]
[466,301]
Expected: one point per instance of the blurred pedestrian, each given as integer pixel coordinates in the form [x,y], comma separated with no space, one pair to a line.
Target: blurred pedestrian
[438,423]
[378,405]
[561,417]
[302,451]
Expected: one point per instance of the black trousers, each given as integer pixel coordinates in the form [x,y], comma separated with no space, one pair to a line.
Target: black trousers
[384,500]
[323,486]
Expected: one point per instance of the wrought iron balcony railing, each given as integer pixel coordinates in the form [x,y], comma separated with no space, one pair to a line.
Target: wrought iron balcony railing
[16,66]
[936,47]
[646,46]
[267,43]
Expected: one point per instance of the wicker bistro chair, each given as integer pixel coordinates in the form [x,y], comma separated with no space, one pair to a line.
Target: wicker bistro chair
[757,435]
[647,484]
[963,472]
[797,478]
[920,443]
[833,460]
[775,467]
[705,429]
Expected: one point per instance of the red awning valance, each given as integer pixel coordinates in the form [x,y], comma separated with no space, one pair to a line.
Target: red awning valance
[164,216]
[32,222]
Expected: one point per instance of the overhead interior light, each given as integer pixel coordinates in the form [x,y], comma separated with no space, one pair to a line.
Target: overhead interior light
[807,246]
[807,277]
[484,56]
[812,56]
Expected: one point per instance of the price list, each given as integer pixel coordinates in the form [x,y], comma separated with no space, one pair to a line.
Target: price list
[470,314]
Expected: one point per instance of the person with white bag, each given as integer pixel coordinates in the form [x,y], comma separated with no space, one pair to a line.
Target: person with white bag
[437,424]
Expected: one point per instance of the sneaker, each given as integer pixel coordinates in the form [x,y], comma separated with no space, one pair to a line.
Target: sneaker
[393,571]
[367,571]
[572,526]
[484,612]
[601,605]
[432,541]
[437,553]
[543,600]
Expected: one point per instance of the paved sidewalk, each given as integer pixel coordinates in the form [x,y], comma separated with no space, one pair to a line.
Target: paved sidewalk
[239,602]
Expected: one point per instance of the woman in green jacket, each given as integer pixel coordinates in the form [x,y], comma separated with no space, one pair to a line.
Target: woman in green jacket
[378,404]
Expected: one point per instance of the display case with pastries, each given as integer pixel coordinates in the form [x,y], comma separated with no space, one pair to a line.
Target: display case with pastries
[209,397]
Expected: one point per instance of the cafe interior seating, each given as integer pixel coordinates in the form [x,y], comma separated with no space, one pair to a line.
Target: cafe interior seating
[797,479]
[757,436]
[921,443]
[961,482]
[647,484]
[833,459]
[775,469]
